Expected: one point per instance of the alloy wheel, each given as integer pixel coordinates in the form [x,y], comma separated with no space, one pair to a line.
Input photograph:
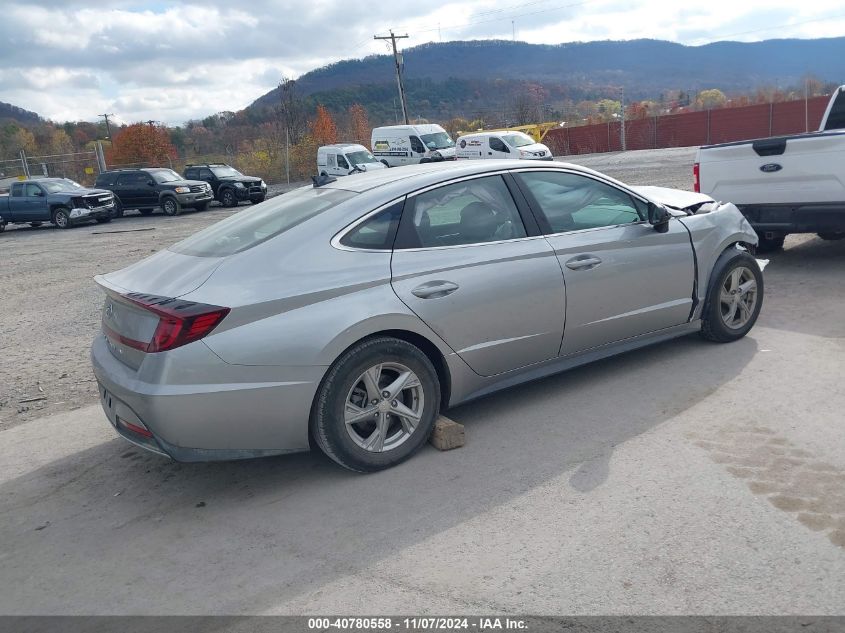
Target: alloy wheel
[384,407]
[738,297]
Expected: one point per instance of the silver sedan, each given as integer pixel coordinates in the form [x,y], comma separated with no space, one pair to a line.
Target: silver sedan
[349,314]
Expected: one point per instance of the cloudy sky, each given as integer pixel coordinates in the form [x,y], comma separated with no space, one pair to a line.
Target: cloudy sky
[175,61]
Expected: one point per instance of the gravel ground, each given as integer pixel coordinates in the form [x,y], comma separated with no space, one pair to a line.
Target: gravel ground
[51,307]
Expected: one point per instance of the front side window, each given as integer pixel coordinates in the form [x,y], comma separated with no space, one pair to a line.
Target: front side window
[341,162]
[205,174]
[571,202]
[497,146]
[256,225]
[468,212]
[32,191]
[377,232]
[133,178]
[416,145]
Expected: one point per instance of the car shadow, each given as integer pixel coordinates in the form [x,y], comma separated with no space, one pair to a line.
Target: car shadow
[113,529]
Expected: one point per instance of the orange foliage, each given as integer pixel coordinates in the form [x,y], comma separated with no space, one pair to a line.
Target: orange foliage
[142,143]
[360,124]
[323,128]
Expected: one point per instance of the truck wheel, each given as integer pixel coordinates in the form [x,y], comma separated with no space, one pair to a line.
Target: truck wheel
[171,206]
[145,211]
[61,218]
[228,198]
[734,299]
[771,244]
[832,235]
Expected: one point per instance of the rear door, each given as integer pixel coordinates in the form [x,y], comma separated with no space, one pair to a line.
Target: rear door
[622,277]
[477,272]
[128,188]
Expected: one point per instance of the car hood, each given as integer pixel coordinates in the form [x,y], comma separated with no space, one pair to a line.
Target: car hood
[85,191]
[240,179]
[674,198]
[166,274]
[183,183]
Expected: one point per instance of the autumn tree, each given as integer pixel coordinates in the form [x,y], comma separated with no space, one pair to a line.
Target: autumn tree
[709,99]
[142,143]
[359,123]
[323,128]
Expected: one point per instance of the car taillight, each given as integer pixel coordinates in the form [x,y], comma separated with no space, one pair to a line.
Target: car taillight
[179,322]
[696,179]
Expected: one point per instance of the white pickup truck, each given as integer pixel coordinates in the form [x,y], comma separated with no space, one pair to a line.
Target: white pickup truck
[787,184]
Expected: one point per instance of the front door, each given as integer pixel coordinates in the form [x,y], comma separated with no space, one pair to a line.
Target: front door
[464,263]
[32,206]
[622,277]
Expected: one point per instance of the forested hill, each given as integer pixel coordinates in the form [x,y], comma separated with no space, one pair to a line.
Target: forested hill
[14,113]
[644,68]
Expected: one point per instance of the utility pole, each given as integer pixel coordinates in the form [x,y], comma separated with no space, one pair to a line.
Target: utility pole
[398,63]
[622,102]
[108,127]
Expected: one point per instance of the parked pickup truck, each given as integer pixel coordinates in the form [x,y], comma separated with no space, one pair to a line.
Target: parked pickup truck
[787,184]
[57,200]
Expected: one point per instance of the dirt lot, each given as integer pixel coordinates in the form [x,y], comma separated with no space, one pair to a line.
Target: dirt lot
[685,478]
[51,306]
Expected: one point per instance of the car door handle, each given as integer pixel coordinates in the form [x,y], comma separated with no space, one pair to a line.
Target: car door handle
[582,261]
[434,289]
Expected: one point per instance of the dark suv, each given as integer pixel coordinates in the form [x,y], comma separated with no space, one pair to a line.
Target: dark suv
[145,189]
[229,185]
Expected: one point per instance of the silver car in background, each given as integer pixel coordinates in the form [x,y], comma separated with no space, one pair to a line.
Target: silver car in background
[347,315]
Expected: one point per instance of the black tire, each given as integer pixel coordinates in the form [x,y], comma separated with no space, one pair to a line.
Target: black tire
[713,326]
[35,225]
[171,206]
[105,220]
[201,207]
[327,416]
[228,198]
[117,210]
[832,235]
[61,217]
[145,211]
[771,244]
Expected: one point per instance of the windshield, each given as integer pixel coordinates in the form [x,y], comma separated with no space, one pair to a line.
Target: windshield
[518,139]
[438,140]
[225,172]
[356,158]
[165,175]
[58,186]
[251,227]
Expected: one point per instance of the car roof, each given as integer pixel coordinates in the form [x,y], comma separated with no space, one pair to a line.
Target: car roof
[415,176]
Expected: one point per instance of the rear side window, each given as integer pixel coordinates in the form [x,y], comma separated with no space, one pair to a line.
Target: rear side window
[106,179]
[836,118]
[133,178]
[17,190]
[249,228]
[191,174]
[377,232]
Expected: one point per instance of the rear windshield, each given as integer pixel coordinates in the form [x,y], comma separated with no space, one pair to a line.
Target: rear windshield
[253,226]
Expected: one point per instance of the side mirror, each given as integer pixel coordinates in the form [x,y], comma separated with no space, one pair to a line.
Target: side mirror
[658,217]
[39,194]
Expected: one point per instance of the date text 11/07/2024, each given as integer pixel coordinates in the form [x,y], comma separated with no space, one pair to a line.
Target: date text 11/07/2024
[417,624]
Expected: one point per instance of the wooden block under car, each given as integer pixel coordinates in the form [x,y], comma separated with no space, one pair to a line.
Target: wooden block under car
[447,434]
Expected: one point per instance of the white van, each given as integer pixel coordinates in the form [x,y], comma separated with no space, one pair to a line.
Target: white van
[342,159]
[396,145]
[502,144]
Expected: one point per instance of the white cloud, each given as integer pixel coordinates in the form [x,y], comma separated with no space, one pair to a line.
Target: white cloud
[175,61]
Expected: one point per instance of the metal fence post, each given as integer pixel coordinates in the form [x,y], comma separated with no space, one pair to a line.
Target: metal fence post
[24,163]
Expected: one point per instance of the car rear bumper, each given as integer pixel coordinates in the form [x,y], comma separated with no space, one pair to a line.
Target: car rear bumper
[795,218]
[227,412]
